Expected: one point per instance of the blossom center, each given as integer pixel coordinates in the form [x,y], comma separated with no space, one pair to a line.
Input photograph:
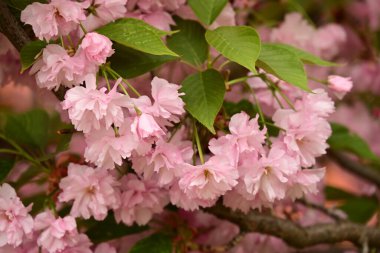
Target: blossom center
[207,173]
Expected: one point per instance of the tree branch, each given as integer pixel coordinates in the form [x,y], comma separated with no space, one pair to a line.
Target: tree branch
[368,173]
[297,236]
[11,27]
[327,211]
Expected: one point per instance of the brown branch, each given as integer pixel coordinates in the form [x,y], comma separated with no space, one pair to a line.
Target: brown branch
[327,211]
[11,27]
[297,236]
[370,174]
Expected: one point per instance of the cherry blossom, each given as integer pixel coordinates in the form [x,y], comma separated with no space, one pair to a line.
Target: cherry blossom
[140,199]
[90,108]
[15,221]
[93,191]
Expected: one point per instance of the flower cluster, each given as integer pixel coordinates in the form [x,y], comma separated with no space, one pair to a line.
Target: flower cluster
[145,152]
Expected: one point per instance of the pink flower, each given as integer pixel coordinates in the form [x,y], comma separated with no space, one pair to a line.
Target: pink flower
[294,31]
[180,199]
[93,191]
[57,234]
[90,108]
[317,103]
[268,177]
[248,133]
[81,244]
[210,180]
[159,19]
[167,101]
[236,201]
[329,40]
[304,182]
[160,163]
[56,67]
[227,146]
[104,248]
[110,10]
[59,17]
[96,47]
[305,136]
[15,222]
[105,147]
[139,200]
[340,85]
[145,126]
[104,11]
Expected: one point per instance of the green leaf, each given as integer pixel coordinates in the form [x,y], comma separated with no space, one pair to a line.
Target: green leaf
[240,44]
[207,10]
[307,57]
[342,139]
[108,229]
[138,35]
[157,243]
[333,193]
[6,165]
[30,52]
[360,209]
[204,94]
[189,43]
[30,128]
[284,64]
[130,63]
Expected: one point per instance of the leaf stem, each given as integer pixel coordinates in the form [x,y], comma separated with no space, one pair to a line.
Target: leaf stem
[106,77]
[9,151]
[261,114]
[241,79]
[199,147]
[23,153]
[223,65]
[124,80]
[214,60]
[82,27]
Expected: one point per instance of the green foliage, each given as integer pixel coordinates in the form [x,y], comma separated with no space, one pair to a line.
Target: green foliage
[30,52]
[358,209]
[6,165]
[344,140]
[204,94]
[284,64]
[157,243]
[244,105]
[306,57]
[333,193]
[28,128]
[138,35]
[130,63]
[207,11]
[240,44]
[21,4]
[108,229]
[189,42]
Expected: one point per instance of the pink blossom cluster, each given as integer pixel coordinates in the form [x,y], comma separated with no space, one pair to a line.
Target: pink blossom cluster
[20,233]
[325,41]
[57,67]
[138,154]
